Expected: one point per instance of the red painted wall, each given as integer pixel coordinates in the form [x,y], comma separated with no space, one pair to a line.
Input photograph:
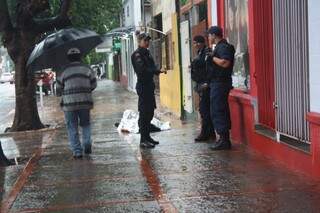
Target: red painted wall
[261,59]
[314,120]
[209,12]
[243,132]
[262,79]
[221,13]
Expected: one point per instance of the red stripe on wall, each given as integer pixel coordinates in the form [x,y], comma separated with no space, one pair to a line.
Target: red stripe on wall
[261,59]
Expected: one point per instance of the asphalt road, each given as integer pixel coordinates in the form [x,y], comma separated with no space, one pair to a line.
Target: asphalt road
[7,104]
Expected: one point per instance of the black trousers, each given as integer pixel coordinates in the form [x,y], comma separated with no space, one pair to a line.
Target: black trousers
[220,111]
[145,118]
[207,127]
[146,107]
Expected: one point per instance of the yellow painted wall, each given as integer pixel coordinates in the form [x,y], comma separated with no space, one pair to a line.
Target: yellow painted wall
[170,84]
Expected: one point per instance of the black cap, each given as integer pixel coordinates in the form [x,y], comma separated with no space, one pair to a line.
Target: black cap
[199,39]
[216,30]
[144,36]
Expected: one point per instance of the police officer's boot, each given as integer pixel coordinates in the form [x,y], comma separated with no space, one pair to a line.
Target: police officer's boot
[154,142]
[223,143]
[204,134]
[201,137]
[145,143]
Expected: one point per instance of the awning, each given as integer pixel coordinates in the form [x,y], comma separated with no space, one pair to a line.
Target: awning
[120,31]
[107,44]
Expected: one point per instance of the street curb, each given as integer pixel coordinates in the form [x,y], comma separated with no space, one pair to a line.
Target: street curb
[48,129]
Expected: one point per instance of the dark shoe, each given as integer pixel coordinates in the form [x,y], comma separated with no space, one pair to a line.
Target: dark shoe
[201,137]
[77,156]
[87,150]
[221,145]
[214,137]
[151,140]
[146,144]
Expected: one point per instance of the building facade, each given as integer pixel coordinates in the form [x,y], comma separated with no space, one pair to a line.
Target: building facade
[170,84]
[136,16]
[275,103]
[179,22]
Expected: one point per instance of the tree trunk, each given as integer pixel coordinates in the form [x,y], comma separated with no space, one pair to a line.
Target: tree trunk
[26,114]
[19,41]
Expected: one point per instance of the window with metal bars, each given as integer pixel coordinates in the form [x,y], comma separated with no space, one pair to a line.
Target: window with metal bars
[291,67]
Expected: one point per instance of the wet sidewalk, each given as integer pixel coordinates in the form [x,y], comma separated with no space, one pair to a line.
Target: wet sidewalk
[177,176]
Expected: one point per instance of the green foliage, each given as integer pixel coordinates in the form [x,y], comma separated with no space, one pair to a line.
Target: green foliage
[183,2]
[12,4]
[98,15]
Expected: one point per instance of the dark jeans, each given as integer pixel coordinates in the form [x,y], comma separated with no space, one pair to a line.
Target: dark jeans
[220,111]
[207,128]
[73,119]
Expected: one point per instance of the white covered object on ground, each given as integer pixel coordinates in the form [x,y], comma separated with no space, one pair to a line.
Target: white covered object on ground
[129,122]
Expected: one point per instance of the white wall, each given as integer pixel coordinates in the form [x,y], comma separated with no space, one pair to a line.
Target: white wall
[156,7]
[214,12]
[129,18]
[169,8]
[314,54]
[137,12]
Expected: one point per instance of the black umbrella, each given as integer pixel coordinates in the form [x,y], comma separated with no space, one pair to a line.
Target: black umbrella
[52,51]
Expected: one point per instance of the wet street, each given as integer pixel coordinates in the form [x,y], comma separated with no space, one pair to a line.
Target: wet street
[176,176]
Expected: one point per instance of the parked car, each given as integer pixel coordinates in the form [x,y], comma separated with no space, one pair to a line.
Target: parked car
[7,78]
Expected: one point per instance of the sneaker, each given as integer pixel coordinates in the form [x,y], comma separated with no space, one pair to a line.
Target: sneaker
[77,156]
[87,150]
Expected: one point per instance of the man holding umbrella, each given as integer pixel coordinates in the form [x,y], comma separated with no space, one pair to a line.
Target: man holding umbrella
[76,83]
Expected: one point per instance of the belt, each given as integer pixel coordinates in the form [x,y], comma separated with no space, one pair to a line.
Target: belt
[221,79]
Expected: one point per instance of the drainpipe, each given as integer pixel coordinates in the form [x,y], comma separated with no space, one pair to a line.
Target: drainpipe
[177,3]
[143,15]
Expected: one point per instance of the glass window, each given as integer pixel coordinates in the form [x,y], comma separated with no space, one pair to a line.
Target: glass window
[237,34]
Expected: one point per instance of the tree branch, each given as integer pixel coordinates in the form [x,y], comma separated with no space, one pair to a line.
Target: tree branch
[58,22]
[50,24]
[65,8]
[5,22]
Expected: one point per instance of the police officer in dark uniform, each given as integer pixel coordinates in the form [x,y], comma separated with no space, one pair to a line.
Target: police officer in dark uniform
[145,69]
[199,75]
[221,62]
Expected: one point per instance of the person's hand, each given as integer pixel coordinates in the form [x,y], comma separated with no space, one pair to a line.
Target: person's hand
[163,71]
[209,52]
[204,86]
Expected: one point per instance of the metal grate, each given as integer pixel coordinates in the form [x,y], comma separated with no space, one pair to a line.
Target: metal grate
[291,67]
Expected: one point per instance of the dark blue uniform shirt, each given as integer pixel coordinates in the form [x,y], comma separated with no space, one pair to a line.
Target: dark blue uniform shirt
[223,50]
[144,66]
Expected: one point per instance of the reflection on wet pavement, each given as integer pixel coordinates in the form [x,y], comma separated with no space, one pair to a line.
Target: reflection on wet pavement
[177,176]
